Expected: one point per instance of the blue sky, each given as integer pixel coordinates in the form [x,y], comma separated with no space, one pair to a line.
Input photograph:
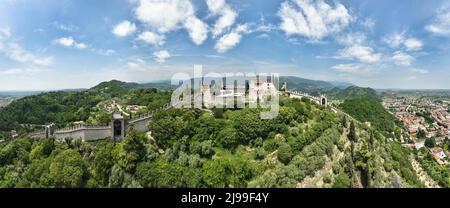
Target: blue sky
[60,44]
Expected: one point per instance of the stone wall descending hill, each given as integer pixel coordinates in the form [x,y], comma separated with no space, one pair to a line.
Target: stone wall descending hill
[84,133]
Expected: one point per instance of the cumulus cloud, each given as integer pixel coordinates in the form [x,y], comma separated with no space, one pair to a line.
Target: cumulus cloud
[313,19]
[398,40]
[354,69]
[152,38]
[231,39]
[402,59]
[161,56]
[69,42]
[14,51]
[360,53]
[227,15]
[395,40]
[441,23]
[412,44]
[124,28]
[352,39]
[170,15]
[198,30]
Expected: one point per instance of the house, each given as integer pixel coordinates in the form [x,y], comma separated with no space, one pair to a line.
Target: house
[439,153]
[419,145]
[134,108]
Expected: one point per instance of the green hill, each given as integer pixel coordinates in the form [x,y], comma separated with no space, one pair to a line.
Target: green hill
[63,107]
[231,148]
[353,92]
[305,85]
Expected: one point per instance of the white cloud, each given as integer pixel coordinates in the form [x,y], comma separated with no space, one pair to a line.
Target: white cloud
[420,71]
[164,16]
[227,15]
[231,39]
[14,51]
[107,52]
[397,40]
[361,53]
[5,33]
[410,78]
[354,69]
[69,42]
[313,19]
[198,30]
[124,28]
[352,39]
[137,64]
[65,27]
[170,15]
[18,72]
[441,23]
[161,56]
[368,23]
[412,44]
[80,46]
[402,59]
[152,38]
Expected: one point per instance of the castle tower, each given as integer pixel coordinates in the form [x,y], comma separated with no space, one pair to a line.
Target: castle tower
[118,127]
[284,87]
[323,101]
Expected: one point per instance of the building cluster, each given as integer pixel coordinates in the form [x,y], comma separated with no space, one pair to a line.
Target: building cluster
[134,108]
[412,111]
[220,94]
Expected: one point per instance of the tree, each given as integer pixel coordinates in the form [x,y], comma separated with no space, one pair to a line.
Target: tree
[215,173]
[132,151]
[430,142]
[352,134]
[284,153]
[102,164]
[167,128]
[342,181]
[228,137]
[68,170]
[421,134]
[344,121]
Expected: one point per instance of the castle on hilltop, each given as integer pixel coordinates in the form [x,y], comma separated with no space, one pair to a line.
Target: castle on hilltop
[212,95]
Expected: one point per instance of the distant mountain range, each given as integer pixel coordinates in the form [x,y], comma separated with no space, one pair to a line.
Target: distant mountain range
[335,90]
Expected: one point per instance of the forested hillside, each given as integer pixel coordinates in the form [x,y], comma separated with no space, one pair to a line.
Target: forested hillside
[305,146]
[370,110]
[63,107]
[353,92]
